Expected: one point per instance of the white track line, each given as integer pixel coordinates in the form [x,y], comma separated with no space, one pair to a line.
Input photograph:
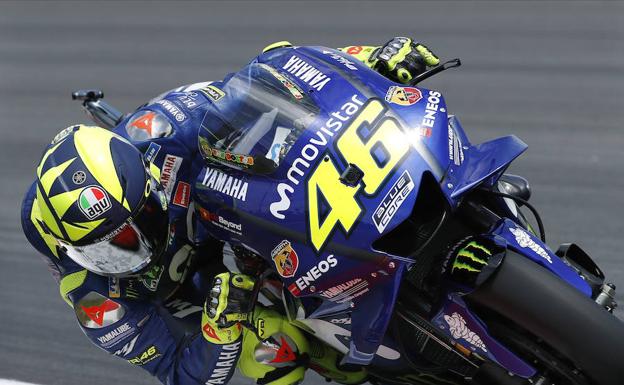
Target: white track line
[4,381]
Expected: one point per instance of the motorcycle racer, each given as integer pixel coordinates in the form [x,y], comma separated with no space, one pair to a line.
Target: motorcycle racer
[112,214]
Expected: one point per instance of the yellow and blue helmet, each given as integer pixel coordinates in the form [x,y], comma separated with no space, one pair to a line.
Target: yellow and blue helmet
[97,197]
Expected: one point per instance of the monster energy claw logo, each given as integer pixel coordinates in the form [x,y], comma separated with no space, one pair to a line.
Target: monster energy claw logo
[152,277]
[471,258]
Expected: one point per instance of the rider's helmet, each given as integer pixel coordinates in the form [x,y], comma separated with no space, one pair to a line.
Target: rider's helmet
[99,199]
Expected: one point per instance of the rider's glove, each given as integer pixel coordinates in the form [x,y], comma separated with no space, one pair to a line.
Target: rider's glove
[402,59]
[226,306]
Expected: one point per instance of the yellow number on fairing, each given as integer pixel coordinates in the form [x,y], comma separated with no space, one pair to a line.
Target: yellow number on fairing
[343,205]
[386,133]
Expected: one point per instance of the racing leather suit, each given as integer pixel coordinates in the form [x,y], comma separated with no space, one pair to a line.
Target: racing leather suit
[154,321]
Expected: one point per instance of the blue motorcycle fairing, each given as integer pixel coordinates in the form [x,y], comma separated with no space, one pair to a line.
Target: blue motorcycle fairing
[339,259]
[527,244]
[480,163]
[275,216]
[459,324]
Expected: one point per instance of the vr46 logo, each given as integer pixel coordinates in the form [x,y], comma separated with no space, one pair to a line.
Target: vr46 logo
[375,144]
[148,355]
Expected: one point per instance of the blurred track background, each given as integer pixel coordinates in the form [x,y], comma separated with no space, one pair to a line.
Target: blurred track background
[551,73]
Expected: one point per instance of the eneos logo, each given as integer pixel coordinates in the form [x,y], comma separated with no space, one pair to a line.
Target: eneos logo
[93,202]
[286,259]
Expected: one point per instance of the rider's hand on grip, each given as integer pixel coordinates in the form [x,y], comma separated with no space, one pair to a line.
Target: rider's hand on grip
[226,306]
[402,59]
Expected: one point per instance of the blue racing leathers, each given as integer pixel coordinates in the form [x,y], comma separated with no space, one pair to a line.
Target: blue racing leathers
[154,320]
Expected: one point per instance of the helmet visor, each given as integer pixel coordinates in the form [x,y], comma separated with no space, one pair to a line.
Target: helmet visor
[133,245]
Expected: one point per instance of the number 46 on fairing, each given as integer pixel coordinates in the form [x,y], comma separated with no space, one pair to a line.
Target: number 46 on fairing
[370,133]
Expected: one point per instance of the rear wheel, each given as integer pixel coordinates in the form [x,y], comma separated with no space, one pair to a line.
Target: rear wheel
[563,329]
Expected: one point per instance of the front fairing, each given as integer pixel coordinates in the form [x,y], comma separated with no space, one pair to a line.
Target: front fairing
[352,101]
[316,230]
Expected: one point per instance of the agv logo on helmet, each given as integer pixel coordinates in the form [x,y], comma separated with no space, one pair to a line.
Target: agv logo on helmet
[93,202]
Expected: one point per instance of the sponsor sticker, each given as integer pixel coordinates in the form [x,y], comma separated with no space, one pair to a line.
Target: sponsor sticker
[354,50]
[115,336]
[393,200]
[152,152]
[285,353]
[342,60]
[228,357]
[217,180]
[524,240]
[260,327]
[152,277]
[221,222]
[240,160]
[285,259]
[146,356]
[310,152]
[172,109]
[403,96]
[316,272]
[148,125]
[456,151]
[93,202]
[210,332]
[144,122]
[114,287]
[346,291]
[169,173]
[213,93]
[431,109]
[459,330]
[63,134]
[127,348]
[306,72]
[182,195]
[190,100]
[278,147]
[96,311]
[294,90]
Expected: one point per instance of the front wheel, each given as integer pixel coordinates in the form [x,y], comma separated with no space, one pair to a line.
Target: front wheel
[571,324]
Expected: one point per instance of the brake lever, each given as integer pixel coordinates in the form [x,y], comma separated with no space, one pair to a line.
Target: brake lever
[435,70]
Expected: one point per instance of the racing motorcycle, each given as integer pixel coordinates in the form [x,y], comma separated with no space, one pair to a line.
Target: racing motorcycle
[377,227]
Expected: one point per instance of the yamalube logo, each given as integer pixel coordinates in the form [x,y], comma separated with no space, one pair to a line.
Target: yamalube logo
[93,202]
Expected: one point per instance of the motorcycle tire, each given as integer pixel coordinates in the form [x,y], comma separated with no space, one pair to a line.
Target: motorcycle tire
[552,310]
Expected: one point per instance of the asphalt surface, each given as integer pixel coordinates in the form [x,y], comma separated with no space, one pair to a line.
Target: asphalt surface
[550,73]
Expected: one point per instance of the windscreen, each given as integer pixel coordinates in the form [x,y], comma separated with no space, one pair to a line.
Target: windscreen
[253,125]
